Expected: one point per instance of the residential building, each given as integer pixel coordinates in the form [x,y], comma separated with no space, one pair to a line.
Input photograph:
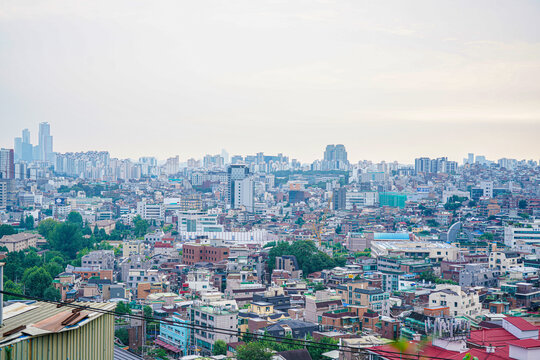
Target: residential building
[173,337]
[503,260]
[20,241]
[459,301]
[528,234]
[472,275]
[296,328]
[212,315]
[103,259]
[193,253]
[323,301]
[149,211]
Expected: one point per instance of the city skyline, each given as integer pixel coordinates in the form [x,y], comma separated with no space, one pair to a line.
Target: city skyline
[26,139]
[278,77]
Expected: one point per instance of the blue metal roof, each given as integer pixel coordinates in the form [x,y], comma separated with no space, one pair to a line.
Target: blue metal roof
[390,236]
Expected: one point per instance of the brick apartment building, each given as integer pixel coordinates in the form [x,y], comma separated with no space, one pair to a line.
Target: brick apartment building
[195,253]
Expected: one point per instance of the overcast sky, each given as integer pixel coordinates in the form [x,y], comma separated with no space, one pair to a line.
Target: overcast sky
[391,80]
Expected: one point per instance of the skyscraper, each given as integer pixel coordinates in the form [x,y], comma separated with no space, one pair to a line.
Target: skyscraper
[26,136]
[45,142]
[18,148]
[23,147]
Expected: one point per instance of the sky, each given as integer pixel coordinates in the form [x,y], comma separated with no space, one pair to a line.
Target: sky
[391,80]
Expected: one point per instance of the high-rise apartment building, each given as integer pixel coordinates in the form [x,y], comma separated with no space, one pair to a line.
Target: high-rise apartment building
[7,164]
[240,187]
[422,165]
[45,142]
[172,165]
[7,174]
[434,166]
[335,158]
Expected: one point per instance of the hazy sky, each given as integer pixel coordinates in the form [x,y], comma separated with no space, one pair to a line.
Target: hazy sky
[391,80]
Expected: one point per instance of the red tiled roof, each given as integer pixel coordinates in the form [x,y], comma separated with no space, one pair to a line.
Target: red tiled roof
[167,346]
[391,353]
[526,343]
[520,323]
[493,337]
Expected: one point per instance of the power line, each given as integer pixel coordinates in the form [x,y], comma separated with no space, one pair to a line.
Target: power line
[229,332]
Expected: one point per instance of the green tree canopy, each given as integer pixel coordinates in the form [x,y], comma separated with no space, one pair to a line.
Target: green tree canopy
[28,222]
[123,335]
[12,287]
[123,308]
[36,280]
[140,226]
[6,230]
[66,238]
[147,311]
[52,293]
[253,351]
[46,227]
[309,258]
[54,268]
[220,348]
[325,344]
[75,218]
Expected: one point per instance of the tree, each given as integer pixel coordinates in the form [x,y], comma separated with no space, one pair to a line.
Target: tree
[140,226]
[522,204]
[220,348]
[52,293]
[253,351]
[66,238]
[325,344]
[29,222]
[31,259]
[46,227]
[75,218]
[123,335]
[432,223]
[123,308]
[53,268]
[6,230]
[487,236]
[308,257]
[158,354]
[36,280]
[147,311]
[12,287]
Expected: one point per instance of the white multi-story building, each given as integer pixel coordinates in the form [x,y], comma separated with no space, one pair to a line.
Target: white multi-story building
[196,221]
[434,251]
[528,235]
[359,199]
[150,211]
[504,260]
[243,194]
[487,186]
[460,302]
[212,315]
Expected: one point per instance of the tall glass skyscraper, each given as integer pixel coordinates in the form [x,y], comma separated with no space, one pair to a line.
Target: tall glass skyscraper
[45,142]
